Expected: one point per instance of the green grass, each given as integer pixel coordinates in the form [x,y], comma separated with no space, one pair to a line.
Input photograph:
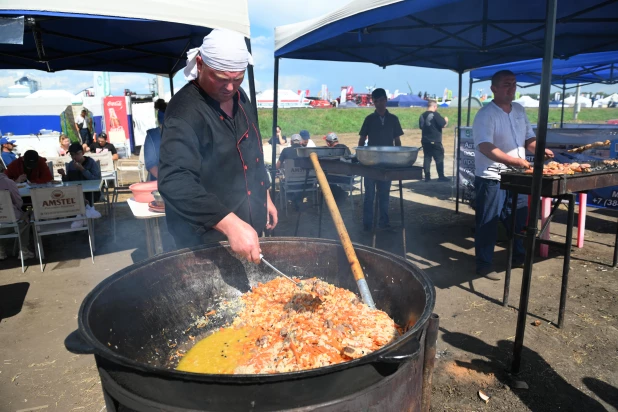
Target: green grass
[322,121]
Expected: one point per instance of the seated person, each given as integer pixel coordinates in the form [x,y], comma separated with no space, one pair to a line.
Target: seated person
[81,168]
[65,142]
[306,136]
[30,167]
[290,152]
[7,150]
[101,145]
[332,140]
[24,224]
[281,140]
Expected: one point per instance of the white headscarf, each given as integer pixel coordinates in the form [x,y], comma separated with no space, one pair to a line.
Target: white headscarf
[222,50]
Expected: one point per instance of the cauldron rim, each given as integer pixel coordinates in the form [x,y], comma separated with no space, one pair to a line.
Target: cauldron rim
[378,356]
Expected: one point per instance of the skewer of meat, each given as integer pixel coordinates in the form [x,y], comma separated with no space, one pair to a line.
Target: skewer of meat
[589,146]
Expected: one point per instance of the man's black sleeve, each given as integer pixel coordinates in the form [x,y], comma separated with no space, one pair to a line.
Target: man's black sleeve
[397,130]
[439,120]
[112,149]
[179,177]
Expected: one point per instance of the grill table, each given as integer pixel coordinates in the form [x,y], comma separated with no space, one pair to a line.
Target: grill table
[336,166]
[559,187]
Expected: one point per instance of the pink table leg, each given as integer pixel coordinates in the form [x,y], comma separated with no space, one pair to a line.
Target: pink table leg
[545,210]
[581,219]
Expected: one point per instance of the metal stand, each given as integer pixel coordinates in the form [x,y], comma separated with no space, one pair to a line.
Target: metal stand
[570,198]
[302,196]
[153,237]
[615,264]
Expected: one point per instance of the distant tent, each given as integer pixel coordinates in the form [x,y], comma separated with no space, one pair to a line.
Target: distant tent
[406,100]
[527,101]
[348,104]
[475,102]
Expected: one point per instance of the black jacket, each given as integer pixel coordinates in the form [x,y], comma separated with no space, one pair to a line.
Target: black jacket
[210,165]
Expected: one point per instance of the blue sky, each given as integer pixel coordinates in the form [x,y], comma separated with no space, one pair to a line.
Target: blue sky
[265,15]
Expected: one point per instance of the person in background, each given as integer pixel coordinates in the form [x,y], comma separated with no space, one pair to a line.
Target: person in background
[307,142]
[23,218]
[502,134]
[290,152]
[103,146]
[160,107]
[431,124]
[7,150]
[30,167]
[65,142]
[281,140]
[152,144]
[83,125]
[380,128]
[81,168]
[332,140]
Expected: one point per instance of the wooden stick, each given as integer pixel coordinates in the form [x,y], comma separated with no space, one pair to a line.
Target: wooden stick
[357,270]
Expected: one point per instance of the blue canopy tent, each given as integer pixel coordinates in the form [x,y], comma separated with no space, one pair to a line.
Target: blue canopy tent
[583,69]
[144,36]
[406,100]
[460,35]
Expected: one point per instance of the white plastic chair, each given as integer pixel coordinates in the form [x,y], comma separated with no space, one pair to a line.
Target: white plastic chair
[55,209]
[8,220]
[108,173]
[293,180]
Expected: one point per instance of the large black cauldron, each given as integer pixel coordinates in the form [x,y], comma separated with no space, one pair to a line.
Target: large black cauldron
[132,320]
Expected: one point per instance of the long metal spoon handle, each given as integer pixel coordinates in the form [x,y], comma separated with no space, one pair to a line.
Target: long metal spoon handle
[276,270]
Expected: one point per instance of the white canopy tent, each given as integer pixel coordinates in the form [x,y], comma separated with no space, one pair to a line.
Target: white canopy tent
[231,14]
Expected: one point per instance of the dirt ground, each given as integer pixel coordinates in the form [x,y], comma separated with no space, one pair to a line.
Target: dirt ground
[569,369]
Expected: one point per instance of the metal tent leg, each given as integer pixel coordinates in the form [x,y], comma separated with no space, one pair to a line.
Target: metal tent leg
[567,260]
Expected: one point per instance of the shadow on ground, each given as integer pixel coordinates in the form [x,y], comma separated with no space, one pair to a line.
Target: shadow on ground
[548,391]
[12,298]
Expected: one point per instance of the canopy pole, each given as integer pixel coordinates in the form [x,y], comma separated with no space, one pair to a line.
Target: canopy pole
[539,157]
[251,81]
[273,169]
[563,97]
[171,84]
[469,101]
[457,148]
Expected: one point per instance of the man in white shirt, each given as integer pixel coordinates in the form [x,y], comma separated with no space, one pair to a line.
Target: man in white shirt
[502,134]
[82,125]
[306,142]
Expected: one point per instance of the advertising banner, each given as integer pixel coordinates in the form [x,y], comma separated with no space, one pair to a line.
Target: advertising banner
[7,214]
[466,165]
[57,202]
[116,119]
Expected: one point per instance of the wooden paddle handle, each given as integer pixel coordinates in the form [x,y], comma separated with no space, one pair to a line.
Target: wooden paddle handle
[357,271]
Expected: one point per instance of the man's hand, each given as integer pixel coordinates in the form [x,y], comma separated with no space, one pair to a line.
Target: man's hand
[549,154]
[521,163]
[61,172]
[78,166]
[21,178]
[271,209]
[242,237]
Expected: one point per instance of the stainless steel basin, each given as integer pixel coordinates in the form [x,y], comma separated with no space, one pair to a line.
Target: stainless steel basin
[387,156]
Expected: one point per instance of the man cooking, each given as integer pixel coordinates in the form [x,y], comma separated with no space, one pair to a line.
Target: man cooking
[8,145]
[502,134]
[211,169]
[380,128]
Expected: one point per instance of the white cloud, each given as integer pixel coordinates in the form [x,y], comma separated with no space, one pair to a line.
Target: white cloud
[272,13]
[297,82]
[261,41]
